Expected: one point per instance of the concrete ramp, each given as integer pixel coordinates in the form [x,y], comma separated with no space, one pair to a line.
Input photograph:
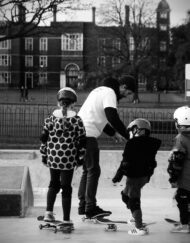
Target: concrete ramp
[16,193]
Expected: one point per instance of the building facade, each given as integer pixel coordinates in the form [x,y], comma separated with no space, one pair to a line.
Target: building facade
[73,53]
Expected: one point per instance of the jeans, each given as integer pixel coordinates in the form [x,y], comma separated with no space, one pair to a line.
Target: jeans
[90,176]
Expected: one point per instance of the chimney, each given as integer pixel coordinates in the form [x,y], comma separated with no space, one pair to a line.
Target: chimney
[126,14]
[21,13]
[54,13]
[94,15]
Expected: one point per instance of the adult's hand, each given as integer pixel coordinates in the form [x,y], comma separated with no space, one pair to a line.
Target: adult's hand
[118,138]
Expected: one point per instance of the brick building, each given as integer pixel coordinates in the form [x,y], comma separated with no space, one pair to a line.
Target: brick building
[68,53]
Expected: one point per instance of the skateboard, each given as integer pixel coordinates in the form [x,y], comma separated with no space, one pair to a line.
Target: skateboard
[172,221]
[56,225]
[93,219]
[111,225]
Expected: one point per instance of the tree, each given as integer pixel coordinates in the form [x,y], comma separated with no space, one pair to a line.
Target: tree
[180,52]
[21,18]
[136,31]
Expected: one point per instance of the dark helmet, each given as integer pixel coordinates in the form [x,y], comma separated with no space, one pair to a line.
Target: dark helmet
[129,81]
[67,94]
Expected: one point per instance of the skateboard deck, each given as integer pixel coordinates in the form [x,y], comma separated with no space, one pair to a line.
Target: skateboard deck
[56,225]
[93,219]
[111,225]
[172,221]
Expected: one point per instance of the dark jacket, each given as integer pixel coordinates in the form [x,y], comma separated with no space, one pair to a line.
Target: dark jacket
[139,156]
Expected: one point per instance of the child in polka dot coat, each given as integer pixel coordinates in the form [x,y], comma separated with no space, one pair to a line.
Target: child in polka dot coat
[63,148]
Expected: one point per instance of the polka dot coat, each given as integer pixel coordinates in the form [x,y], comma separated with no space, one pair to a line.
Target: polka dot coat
[63,141]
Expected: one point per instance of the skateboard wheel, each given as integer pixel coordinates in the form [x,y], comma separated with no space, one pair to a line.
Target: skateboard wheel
[40,226]
[55,230]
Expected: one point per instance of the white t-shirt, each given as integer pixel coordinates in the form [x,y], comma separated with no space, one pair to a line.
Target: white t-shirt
[92,111]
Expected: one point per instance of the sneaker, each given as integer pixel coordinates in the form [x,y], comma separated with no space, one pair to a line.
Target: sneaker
[48,217]
[181,228]
[131,221]
[97,211]
[69,223]
[136,231]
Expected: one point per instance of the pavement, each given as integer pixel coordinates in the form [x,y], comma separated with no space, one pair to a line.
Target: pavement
[157,204]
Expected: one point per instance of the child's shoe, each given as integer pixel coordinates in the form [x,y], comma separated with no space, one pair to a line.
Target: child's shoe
[136,231]
[131,221]
[48,217]
[181,228]
[69,223]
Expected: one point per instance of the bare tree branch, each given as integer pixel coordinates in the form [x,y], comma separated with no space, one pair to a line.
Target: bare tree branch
[20,18]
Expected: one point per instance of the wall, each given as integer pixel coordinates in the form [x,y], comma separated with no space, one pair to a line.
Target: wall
[109,161]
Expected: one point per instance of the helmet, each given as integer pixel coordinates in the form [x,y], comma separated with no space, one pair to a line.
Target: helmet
[67,94]
[182,118]
[140,123]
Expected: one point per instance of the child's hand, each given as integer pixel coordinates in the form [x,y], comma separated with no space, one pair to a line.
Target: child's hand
[174,184]
[44,159]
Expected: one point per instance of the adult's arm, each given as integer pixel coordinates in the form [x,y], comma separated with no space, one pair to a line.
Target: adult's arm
[109,130]
[114,120]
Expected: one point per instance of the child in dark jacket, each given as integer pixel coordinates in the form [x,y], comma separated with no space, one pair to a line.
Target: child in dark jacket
[179,168]
[138,165]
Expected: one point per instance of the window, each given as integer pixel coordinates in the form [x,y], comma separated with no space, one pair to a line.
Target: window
[43,61]
[163,15]
[5,60]
[115,61]
[29,44]
[29,79]
[101,44]
[6,44]
[42,78]
[131,44]
[43,44]
[116,44]
[72,42]
[28,61]
[145,43]
[163,27]
[141,80]
[102,61]
[162,62]
[5,78]
[163,46]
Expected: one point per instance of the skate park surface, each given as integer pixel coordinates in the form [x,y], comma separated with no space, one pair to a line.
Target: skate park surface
[156,202]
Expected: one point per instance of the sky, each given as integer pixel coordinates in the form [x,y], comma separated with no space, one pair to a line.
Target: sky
[177,15]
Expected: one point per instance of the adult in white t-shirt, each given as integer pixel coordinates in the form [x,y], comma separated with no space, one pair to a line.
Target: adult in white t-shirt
[99,114]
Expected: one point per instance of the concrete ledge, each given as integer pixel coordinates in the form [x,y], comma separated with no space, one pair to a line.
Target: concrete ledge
[109,161]
[16,193]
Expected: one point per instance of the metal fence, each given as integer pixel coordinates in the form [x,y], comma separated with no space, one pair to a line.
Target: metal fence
[20,125]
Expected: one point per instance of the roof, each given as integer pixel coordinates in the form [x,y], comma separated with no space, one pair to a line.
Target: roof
[163,5]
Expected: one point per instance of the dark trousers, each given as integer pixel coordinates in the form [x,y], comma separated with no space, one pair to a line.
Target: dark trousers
[183,202]
[132,192]
[90,176]
[60,179]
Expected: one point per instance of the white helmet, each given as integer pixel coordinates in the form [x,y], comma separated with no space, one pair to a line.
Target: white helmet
[140,124]
[67,94]
[182,118]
